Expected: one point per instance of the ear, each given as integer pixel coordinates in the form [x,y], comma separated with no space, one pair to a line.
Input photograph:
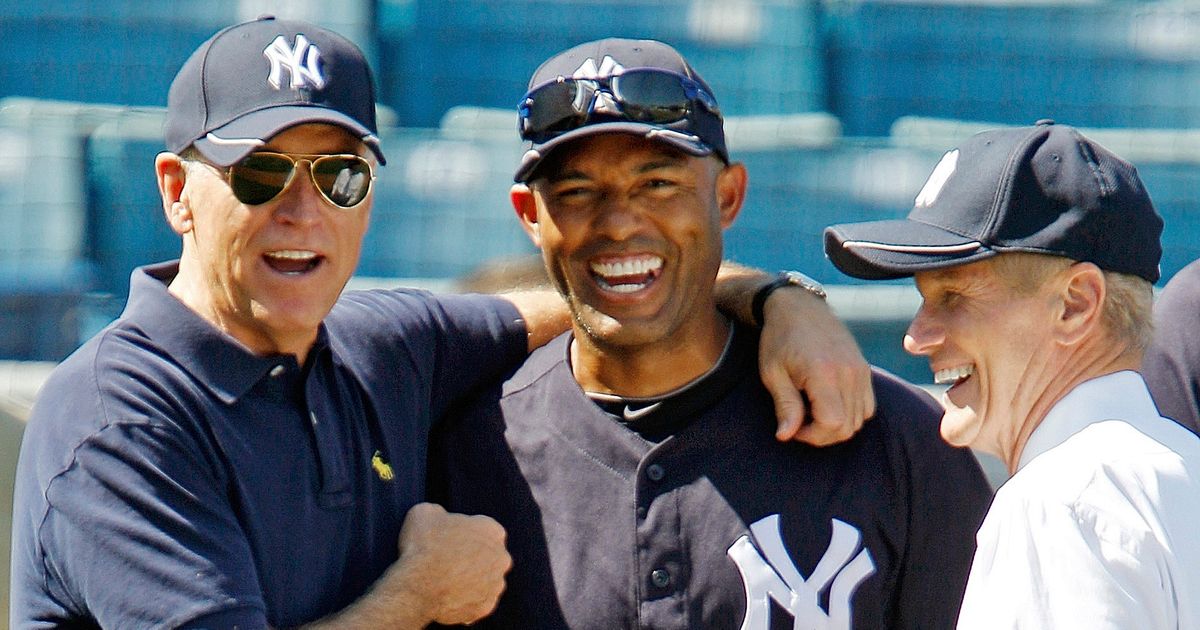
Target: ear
[731,192]
[525,205]
[1082,293]
[172,178]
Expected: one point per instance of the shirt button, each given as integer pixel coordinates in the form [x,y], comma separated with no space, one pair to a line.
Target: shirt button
[660,578]
[655,472]
[312,416]
[641,511]
[277,370]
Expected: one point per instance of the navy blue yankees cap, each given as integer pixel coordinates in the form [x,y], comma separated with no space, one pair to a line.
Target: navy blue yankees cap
[253,80]
[1042,189]
[637,86]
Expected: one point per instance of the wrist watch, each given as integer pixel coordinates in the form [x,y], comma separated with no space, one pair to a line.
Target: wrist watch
[784,279]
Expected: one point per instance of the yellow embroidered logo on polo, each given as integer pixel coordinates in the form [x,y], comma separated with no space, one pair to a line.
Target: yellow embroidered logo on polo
[382,468]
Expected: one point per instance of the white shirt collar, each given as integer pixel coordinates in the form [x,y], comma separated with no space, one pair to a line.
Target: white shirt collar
[1120,395]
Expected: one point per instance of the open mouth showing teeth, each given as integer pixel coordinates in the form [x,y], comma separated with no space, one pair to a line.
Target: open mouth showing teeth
[954,375]
[292,261]
[628,275]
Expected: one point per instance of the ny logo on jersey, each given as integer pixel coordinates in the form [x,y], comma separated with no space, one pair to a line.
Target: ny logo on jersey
[937,179]
[302,61]
[608,68]
[768,573]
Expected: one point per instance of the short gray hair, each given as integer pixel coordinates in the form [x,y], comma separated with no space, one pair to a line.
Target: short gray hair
[1127,310]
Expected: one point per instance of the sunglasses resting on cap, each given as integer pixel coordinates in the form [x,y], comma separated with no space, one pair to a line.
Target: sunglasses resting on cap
[645,95]
[635,86]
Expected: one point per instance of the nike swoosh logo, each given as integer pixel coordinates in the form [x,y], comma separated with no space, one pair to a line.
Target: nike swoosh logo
[632,415]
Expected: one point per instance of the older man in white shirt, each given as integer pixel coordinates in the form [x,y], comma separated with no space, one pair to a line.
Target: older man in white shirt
[1035,251]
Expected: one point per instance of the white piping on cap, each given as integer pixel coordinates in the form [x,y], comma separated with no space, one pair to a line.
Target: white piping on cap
[252,142]
[915,249]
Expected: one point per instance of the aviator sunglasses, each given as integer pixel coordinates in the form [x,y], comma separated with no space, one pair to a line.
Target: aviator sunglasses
[645,95]
[343,179]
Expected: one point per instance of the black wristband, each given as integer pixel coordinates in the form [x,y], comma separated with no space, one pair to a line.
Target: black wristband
[784,279]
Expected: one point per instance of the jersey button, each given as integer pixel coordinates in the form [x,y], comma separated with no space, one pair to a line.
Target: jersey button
[641,511]
[655,472]
[660,578]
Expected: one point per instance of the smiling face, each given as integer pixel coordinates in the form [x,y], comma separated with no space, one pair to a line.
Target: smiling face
[266,274]
[991,342]
[630,231]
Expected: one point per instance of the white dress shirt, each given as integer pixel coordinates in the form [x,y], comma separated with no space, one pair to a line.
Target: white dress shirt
[1100,526]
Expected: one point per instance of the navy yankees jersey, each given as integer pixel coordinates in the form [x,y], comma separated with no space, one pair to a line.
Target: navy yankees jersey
[689,514]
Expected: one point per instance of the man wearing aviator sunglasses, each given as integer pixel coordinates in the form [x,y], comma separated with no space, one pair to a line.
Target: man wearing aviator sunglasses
[246,446]
[631,459]
[342,180]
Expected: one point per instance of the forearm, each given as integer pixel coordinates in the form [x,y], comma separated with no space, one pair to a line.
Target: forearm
[392,602]
[803,347]
[738,285]
[735,288]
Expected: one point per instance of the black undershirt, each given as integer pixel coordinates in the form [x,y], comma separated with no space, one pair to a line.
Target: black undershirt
[657,418]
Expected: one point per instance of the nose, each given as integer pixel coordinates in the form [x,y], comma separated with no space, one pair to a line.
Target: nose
[301,203]
[617,218]
[924,334]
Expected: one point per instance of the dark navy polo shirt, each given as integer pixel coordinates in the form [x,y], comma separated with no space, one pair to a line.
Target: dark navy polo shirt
[169,477]
[612,524]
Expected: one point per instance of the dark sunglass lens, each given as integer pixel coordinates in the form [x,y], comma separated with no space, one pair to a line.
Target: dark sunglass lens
[653,97]
[258,178]
[558,106]
[344,181]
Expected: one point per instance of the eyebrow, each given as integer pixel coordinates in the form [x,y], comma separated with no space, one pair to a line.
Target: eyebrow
[664,161]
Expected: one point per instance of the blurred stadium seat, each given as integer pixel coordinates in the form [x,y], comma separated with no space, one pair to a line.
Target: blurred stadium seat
[44,269]
[1090,64]
[101,52]
[825,101]
[126,225]
[766,55]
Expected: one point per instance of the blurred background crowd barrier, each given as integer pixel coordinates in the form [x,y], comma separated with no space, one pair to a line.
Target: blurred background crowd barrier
[839,108]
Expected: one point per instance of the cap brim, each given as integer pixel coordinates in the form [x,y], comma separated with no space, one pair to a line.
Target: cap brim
[686,142]
[884,250]
[232,142]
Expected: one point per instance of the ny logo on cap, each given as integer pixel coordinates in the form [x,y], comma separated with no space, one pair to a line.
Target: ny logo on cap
[608,68]
[302,60]
[937,179]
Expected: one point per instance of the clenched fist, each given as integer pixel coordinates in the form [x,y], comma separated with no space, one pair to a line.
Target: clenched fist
[457,562]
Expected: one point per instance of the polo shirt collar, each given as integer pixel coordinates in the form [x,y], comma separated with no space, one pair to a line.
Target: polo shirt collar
[1117,396]
[225,366]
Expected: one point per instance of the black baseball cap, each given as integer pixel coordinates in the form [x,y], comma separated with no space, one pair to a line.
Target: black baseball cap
[1042,189]
[253,80]
[700,132]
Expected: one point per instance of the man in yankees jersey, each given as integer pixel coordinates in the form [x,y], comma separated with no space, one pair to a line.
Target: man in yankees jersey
[632,460]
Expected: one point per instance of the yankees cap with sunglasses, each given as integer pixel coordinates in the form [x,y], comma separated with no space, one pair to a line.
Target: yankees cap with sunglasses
[642,87]
[252,80]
